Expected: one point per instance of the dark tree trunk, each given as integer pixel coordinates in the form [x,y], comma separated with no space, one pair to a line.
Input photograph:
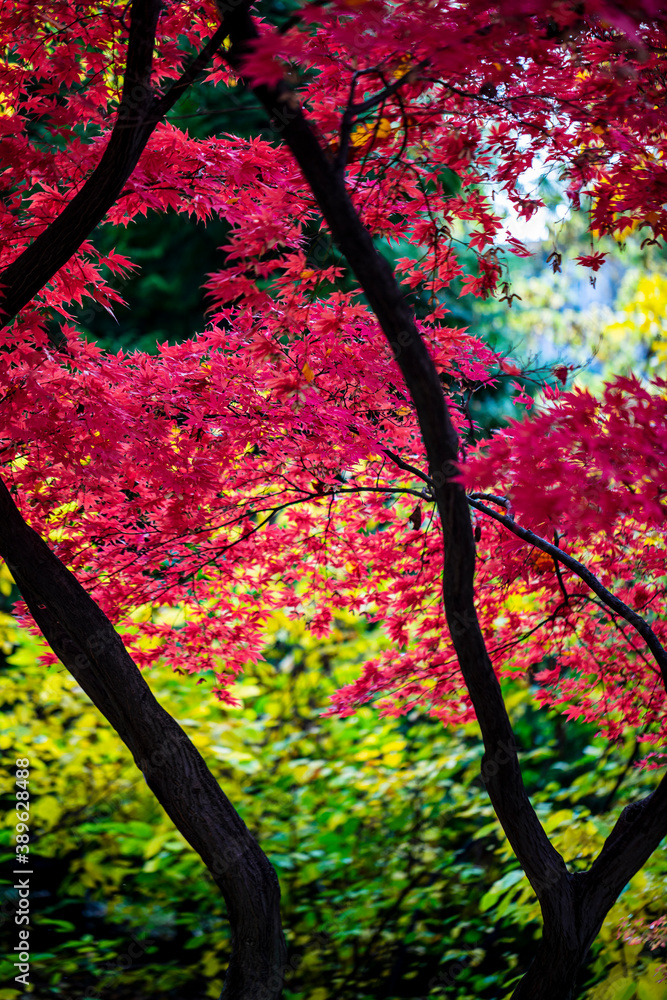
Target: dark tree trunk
[552,974]
[567,936]
[139,112]
[86,642]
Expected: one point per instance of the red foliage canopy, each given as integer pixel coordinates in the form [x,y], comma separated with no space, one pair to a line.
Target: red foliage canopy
[273,459]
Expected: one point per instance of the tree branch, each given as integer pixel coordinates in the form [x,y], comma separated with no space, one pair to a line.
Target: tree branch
[161,105]
[139,112]
[387,91]
[84,639]
[353,110]
[636,834]
[501,501]
[614,603]
[406,467]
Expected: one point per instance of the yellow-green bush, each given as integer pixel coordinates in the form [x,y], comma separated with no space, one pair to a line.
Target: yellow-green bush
[396,878]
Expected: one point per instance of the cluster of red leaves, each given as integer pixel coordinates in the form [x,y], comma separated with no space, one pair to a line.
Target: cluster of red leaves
[245,469]
[592,471]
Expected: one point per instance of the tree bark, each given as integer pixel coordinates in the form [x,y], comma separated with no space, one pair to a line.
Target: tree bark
[573,906]
[574,913]
[84,639]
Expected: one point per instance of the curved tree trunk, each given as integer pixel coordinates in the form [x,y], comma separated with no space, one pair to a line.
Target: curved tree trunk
[84,639]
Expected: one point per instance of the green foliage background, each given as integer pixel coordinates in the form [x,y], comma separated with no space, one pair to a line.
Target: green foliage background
[396,878]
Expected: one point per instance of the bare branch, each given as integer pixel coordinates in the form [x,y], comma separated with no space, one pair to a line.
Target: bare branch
[492,498]
[353,110]
[614,603]
[406,467]
[161,105]
[388,90]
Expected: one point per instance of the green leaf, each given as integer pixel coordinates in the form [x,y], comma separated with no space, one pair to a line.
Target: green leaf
[651,989]
[508,880]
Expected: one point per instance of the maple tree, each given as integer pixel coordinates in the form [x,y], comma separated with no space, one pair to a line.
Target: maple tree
[311,448]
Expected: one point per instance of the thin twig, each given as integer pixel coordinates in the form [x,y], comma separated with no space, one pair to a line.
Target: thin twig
[382,95]
[161,105]
[406,467]
[558,572]
[606,806]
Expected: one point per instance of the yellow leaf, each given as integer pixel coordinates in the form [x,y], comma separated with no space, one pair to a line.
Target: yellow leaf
[308,372]
[394,746]
[402,68]
[155,845]
[143,613]
[616,987]
[651,985]
[46,808]
[364,132]
[561,816]
[6,580]
[211,964]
